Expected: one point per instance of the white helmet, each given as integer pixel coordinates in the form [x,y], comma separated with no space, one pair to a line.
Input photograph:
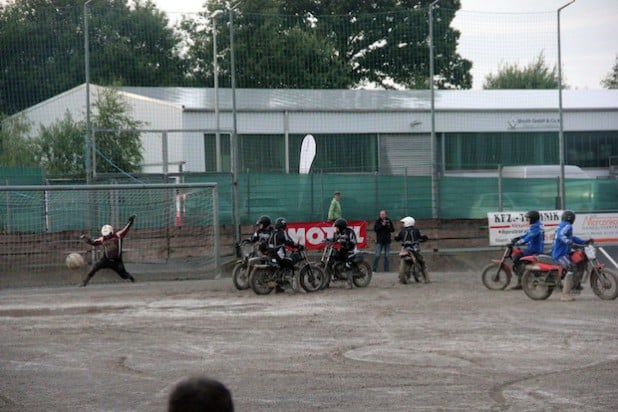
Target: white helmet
[107,230]
[408,221]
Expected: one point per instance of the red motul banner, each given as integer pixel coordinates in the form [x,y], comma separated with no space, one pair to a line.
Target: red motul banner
[312,234]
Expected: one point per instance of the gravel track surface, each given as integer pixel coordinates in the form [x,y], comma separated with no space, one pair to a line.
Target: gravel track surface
[451,345]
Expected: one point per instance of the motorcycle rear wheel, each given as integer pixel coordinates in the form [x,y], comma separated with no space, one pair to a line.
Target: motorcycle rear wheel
[311,278]
[260,281]
[604,284]
[404,272]
[534,285]
[362,275]
[494,277]
[239,276]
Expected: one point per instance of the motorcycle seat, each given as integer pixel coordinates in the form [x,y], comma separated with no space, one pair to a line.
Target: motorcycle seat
[546,259]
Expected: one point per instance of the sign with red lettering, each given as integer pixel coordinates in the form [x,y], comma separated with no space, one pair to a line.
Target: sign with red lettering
[313,234]
[504,226]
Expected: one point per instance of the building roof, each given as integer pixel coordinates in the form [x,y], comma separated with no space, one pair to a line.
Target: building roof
[203,99]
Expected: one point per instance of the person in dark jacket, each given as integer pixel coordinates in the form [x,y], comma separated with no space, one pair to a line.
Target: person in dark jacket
[346,238]
[383,227]
[410,234]
[112,251]
[279,239]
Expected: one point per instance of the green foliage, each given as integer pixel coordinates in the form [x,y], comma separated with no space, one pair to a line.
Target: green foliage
[16,148]
[42,48]
[338,44]
[116,150]
[535,75]
[611,81]
[60,147]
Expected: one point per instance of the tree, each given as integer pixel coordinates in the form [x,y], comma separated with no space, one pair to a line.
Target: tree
[60,147]
[16,148]
[42,48]
[535,75]
[335,44]
[119,150]
[611,81]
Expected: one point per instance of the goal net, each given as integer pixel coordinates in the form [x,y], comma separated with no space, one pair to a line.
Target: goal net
[175,233]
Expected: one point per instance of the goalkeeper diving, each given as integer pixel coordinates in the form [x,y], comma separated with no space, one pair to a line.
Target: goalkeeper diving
[112,251]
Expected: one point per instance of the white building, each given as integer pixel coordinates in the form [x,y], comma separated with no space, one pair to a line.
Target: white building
[384,131]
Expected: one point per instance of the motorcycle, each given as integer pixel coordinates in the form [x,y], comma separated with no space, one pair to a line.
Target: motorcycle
[336,271]
[291,271]
[410,266]
[542,274]
[247,256]
[497,274]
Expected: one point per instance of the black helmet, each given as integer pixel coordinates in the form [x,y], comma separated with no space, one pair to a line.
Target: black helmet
[568,216]
[340,224]
[533,215]
[281,223]
[263,220]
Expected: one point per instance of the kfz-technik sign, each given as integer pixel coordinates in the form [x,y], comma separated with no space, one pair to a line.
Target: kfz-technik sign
[504,226]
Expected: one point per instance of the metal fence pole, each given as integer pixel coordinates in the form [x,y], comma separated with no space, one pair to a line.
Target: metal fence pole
[561,132]
[434,177]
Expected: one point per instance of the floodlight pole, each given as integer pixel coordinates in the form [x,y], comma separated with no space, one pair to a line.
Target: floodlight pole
[87,74]
[234,138]
[434,177]
[561,190]
[215,69]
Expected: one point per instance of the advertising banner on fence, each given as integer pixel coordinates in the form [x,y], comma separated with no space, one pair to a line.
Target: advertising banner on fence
[504,226]
[312,234]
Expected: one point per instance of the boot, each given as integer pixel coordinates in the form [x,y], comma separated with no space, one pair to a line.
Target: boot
[567,285]
[424,272]
[86,280]
[518,286]
[350,278]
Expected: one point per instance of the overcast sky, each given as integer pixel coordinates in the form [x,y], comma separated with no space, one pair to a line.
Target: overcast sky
[495,32]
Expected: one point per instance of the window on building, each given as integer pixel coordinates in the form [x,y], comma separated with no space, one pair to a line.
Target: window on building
[262,153]
[210,152]
[469,151]
[590,149]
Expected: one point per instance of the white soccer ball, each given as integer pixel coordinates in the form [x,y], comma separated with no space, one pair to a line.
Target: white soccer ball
[75,261]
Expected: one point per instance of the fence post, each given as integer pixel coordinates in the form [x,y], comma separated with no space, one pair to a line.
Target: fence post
[500,203]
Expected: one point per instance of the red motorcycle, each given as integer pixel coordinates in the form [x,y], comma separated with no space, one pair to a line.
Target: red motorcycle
[497,274]
[542,274]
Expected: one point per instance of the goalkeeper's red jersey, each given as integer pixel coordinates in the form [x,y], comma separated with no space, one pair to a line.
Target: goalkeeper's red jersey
[112,245]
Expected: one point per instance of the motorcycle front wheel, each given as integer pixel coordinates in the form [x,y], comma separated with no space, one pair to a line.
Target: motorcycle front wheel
[362,275]
[261,281]
[326,278]
[494,277]
[239,276]
[311,278]
[535,286]
[604,284]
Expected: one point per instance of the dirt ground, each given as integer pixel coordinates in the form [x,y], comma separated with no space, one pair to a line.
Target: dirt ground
[450,345]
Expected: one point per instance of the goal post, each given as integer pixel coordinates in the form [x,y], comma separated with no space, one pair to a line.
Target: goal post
[175,234]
